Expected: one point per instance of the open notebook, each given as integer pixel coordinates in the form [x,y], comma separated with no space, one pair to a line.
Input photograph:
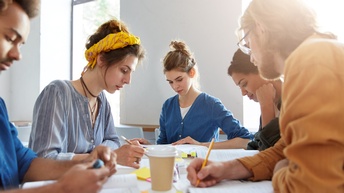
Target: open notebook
[235,186]
[123,183]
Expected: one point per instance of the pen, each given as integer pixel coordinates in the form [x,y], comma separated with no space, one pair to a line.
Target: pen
[126,140]
[206,158]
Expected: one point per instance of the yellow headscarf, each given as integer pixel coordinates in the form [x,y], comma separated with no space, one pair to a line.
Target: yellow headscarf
[110,42]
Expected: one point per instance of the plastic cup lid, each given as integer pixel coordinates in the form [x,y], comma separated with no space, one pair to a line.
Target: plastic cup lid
[161,151]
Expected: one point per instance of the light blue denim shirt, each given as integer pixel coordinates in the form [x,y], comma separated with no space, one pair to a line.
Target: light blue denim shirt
[61,124]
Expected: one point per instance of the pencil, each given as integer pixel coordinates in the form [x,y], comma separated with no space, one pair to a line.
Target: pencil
[206,158]
[126,140]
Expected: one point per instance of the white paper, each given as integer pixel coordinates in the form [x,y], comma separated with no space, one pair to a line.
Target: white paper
[123,183]
[225,154]
[236,187]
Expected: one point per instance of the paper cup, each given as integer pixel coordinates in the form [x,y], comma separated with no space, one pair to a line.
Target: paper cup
[161,161]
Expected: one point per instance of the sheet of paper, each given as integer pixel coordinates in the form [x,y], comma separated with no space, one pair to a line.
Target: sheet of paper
[236,187]
[37,184]
[225,154]
[121,183]
[183,184]
[121,190]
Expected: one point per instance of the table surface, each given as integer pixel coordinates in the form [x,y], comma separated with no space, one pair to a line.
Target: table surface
[182,185]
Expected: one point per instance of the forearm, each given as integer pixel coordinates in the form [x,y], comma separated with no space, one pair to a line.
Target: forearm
[47,169]
[262,164]
[267,113]
[80,157]
[236,171]
[235,143]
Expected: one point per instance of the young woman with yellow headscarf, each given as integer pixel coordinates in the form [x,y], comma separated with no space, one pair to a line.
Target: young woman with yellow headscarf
[73,117]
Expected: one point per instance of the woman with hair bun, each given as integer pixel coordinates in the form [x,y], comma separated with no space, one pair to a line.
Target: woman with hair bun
[192,116]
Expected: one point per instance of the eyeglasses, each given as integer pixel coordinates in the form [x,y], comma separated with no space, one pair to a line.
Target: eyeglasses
[242,44]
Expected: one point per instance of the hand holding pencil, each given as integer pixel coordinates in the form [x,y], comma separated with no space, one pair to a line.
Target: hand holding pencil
[204,173]
[206,158]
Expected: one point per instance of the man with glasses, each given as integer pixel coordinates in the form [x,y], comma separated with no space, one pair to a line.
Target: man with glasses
[282,38]
[242,43]
[19,164]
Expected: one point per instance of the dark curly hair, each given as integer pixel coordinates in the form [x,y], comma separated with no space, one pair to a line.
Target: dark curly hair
[31,7]
[241,64]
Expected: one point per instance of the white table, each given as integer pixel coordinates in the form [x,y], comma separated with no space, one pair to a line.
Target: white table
[183,185]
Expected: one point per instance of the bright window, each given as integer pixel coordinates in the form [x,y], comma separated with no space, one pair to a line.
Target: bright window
[88,15]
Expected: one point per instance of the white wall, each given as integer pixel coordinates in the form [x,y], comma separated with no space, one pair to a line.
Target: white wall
[206,26]
[46,56]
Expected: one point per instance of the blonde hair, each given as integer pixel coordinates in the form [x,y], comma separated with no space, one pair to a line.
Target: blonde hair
[180,58]
[287,23]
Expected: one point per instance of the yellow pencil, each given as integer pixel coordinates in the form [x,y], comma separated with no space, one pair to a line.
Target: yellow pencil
[206,158]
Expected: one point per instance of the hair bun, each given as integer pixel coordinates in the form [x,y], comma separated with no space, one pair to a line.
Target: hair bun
[180,46]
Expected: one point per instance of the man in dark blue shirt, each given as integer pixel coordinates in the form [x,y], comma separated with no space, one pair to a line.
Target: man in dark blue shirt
[19,164]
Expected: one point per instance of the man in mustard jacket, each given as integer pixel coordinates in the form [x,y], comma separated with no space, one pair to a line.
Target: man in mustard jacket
[281,36]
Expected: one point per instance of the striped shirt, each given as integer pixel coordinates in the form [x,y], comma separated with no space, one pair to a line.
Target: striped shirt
[61,125]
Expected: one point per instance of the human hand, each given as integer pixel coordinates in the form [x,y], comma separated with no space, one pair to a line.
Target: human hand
[141,141]
[281,164]
[81,178]
[130,154]
[210,175]
[187,140]
[104,153]
[266,94]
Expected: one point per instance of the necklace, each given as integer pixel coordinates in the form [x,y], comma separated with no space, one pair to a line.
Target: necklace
[84,85]
[91,109]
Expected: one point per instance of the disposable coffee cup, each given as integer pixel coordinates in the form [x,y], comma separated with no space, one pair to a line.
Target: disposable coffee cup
[161,163]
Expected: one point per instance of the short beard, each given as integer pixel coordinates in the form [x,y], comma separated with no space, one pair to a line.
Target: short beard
[267,69]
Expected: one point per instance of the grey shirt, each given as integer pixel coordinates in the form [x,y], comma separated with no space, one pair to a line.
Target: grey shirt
[61,124]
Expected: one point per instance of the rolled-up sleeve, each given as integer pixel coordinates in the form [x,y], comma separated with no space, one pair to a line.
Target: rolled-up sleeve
[262,164]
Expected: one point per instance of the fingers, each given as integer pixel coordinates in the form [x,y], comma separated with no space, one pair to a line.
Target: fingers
[102,152]
[91,181]
[186,140]
[111,164]
[108,156]
[196,172]
[193,169]
[140,141]
[136,142]
[135,164]
[130,155]
[101,172]
[177,143]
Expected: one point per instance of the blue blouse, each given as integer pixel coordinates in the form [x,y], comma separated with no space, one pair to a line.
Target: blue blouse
[15,159]
[206,115]
[61,124]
